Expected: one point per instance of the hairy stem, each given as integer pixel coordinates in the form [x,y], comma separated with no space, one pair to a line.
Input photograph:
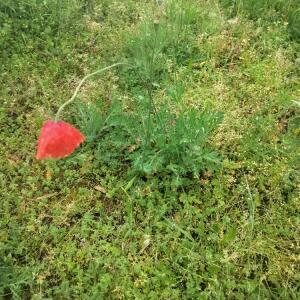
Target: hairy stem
[80,85]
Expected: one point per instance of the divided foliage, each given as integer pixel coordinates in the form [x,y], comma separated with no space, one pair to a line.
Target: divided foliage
[163,143]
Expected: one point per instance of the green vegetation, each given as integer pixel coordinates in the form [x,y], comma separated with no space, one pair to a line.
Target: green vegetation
[187,186]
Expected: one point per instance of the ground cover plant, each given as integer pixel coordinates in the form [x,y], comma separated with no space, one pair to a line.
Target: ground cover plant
[187,183]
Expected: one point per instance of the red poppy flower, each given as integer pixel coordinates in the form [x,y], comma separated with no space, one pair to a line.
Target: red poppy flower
[58,140]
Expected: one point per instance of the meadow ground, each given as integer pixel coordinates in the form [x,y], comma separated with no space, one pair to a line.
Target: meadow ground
[187,186]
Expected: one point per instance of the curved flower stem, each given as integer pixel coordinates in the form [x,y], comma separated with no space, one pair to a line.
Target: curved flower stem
[80,85]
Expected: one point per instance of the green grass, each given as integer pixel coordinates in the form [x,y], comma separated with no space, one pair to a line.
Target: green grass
[90,226]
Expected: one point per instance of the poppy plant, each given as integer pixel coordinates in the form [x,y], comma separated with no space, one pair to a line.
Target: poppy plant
[59,139]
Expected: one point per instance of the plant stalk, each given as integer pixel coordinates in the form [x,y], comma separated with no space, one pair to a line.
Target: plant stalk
[80,85]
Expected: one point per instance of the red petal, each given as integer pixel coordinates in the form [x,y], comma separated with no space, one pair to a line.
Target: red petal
[58,140]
